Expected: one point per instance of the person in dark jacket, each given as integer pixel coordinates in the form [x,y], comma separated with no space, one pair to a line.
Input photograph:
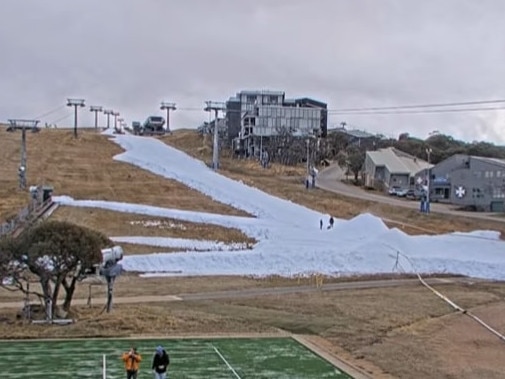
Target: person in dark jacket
[160,363]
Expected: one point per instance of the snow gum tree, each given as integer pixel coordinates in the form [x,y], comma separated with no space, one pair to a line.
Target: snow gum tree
[56,254]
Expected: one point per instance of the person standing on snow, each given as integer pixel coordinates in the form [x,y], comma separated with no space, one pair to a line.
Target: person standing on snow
[160,363]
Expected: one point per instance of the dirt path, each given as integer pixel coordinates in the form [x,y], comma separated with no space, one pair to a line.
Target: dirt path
[329,179]
[255,292]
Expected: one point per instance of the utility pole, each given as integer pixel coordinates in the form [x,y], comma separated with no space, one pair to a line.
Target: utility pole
[169,107]
[216,107]
[18,124]
[75,103]
[96,109]
[108,113]
[428,184]
[308,157]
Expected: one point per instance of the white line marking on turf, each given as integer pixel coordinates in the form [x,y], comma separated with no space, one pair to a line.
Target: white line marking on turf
[226,362]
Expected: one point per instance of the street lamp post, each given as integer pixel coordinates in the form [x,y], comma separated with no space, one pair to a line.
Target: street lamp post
[428,181]
[75,103]
[308,156]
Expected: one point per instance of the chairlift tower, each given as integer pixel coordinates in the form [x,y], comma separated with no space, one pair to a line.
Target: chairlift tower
[76,103]
[19,124]
[168,107]
[116,115]
[108,113]
[120,120]
[96,109]
[216,107]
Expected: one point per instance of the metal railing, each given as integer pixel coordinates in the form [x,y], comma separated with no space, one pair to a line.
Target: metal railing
[24,217]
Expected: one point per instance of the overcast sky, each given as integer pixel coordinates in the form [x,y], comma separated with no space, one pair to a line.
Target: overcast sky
[129,55]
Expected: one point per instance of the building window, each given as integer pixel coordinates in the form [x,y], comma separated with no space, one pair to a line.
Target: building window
[498,174]
[498,193]
[491,174]
[251,98]
[476,193]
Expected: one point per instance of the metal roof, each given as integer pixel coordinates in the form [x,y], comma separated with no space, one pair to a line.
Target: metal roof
[261,92]
[496,161]
[397,162]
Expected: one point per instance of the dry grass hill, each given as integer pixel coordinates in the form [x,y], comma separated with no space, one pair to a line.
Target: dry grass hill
[403,332]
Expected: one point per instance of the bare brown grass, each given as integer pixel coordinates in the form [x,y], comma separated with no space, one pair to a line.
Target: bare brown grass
[408,332]
[84,169]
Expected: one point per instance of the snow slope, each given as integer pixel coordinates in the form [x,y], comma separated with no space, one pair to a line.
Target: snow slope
[289,239]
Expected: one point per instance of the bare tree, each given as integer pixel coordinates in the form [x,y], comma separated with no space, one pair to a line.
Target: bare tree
[289,149]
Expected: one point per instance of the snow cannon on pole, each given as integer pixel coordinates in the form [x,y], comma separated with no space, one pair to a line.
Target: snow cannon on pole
[110,269]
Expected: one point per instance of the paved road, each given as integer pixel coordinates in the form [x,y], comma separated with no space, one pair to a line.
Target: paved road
[256,292]
[329,179]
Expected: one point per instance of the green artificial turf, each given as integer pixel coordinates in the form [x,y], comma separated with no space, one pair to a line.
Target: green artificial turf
[279,358]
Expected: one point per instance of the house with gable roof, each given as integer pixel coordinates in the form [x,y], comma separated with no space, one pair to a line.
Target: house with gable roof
[390,167]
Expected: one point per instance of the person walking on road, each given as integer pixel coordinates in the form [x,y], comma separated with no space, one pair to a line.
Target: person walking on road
[132,361]
[161,361]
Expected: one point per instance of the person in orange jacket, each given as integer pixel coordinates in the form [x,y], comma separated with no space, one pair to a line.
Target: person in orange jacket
[131,361]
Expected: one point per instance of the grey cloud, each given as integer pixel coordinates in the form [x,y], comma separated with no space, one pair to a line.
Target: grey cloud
[131,54]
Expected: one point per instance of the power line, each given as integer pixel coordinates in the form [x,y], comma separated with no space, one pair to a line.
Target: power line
[433,105]
[393,110]
[61,118]
[50,112]
[421,111]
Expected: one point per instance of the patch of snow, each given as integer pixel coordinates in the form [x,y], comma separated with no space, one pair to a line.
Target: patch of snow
[289,239]
[159,224]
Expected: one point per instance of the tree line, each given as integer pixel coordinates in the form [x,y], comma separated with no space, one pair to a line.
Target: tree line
[349,152]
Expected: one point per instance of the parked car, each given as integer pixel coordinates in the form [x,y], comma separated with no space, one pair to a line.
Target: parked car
[402,192]
[393,190]
[414,194]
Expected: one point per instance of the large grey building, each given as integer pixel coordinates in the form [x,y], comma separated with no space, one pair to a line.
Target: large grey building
[470,181]
[255,116]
